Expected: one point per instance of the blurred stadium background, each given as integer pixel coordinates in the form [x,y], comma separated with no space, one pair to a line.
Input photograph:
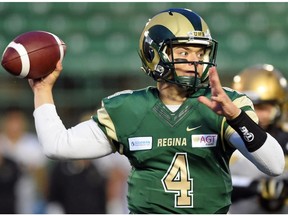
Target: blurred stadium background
[102,40]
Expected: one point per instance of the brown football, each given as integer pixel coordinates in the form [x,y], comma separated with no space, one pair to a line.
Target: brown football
[33,54]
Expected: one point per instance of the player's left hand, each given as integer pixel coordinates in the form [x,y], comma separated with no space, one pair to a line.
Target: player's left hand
[219,102]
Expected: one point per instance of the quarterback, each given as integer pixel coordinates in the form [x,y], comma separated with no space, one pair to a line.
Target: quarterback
[178,135]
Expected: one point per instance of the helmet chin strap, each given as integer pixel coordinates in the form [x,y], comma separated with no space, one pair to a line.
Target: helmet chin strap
[190,84]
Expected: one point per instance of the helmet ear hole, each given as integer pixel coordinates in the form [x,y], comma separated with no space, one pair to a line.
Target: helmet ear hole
[148,52]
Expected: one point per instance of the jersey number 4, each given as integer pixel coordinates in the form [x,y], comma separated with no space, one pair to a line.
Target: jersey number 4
[177,180]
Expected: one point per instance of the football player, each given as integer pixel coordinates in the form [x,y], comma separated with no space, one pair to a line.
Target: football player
[178,135]
[267,88]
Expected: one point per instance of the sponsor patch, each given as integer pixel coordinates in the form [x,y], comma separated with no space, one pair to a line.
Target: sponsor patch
[140,143]
[204,140]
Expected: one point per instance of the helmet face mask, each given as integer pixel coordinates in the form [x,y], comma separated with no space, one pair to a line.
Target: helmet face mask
[169,29]
[191,82]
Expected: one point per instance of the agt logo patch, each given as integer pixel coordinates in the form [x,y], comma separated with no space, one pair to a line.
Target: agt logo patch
[204,140]
[140,143]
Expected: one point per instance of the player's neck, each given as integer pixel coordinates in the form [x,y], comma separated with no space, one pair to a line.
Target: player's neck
[171,94]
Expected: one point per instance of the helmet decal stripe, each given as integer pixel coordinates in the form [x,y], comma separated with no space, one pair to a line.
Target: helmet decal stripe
[192,17]
[158,32]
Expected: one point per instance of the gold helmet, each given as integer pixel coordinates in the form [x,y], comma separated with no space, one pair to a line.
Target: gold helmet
[262,83]
[169,28]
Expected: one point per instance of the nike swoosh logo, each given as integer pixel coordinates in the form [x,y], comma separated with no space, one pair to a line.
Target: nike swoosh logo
[194,128]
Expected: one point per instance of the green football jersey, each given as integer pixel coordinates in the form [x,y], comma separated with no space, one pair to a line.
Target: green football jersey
[180,160]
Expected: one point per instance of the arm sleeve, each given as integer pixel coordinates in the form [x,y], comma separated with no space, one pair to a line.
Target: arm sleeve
[269,158]
[83,141]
